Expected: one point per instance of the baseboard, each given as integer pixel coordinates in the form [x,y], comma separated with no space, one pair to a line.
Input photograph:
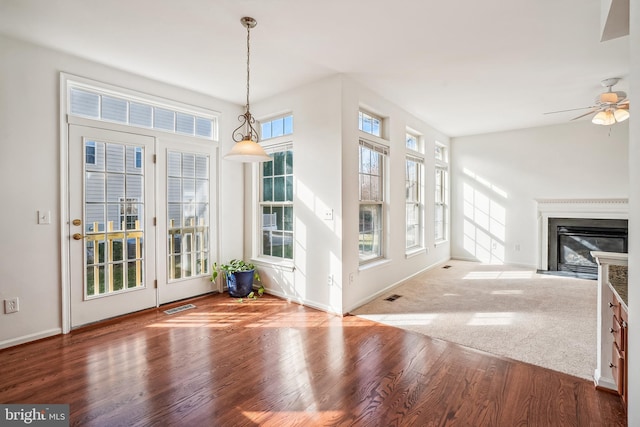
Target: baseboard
[604,383]
[31,337]
[302,301]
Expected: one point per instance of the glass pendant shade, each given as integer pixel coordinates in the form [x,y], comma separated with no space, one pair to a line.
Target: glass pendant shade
[247,151]
[621,115]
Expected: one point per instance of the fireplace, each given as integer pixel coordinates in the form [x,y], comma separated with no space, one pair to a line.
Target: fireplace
[571,241]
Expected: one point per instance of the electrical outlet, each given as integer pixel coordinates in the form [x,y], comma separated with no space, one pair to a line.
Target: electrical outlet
[11,305]
[330,281]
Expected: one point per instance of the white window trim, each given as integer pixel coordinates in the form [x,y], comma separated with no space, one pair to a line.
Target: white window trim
[280,143]
[384,150]
[420,246]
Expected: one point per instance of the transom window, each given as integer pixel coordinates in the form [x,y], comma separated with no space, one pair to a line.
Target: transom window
[277,127]
[276,203]
[372,198]
[369,123]
[98,105]
[412,142]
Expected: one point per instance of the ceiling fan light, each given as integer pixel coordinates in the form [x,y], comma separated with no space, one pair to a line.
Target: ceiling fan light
[599,118]
[621,115]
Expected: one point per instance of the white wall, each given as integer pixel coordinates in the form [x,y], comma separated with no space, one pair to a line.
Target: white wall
[326,176]
[316,163]
[30,254]
[497,177]
[372,280]
[634,224]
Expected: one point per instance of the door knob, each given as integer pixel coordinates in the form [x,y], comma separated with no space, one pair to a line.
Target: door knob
[77,236]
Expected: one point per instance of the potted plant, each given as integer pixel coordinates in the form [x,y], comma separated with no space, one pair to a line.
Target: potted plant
[240,276]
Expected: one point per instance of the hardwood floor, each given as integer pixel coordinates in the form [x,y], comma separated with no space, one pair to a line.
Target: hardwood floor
[273,363]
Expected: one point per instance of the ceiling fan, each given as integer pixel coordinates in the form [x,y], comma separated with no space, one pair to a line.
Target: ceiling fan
[610,107]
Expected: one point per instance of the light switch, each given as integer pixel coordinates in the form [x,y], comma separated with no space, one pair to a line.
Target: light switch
[44,217]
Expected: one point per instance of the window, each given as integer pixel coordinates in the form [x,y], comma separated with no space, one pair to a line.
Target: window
[95,104]
[441,193]
[277,127]
[412,142]
[369,123]
[90,152]
[188,214]
[138,157]
[276,203]
[413,196]
[371,189]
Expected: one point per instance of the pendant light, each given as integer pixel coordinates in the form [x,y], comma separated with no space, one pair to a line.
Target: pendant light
[246,148]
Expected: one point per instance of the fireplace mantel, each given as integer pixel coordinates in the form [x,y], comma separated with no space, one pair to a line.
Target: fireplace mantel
[574,208]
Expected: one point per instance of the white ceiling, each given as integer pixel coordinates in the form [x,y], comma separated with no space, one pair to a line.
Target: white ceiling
[465,66]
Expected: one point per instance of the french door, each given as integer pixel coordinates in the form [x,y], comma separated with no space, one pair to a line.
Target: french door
[112,248]
[141,221]
[186,218]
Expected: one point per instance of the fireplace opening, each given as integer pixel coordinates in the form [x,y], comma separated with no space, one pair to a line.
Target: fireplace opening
[571,241]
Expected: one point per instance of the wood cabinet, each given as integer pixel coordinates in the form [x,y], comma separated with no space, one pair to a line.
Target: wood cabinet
[619,356]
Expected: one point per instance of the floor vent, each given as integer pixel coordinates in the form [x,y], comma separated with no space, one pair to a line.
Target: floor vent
[447,266]
[175,310]
[393,297]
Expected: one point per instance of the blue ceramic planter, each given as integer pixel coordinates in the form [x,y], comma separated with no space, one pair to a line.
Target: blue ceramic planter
[240,283]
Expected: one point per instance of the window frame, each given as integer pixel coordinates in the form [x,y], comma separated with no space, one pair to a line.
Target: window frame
[373,117]
[379,203]
[261,204]
[441,193]
[418,203]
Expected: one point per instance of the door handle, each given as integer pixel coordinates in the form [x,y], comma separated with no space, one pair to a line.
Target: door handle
[77,236]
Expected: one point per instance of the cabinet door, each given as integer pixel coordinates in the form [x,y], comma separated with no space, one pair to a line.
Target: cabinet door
[617,368]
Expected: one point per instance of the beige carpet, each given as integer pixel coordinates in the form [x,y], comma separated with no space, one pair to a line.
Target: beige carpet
[545,320]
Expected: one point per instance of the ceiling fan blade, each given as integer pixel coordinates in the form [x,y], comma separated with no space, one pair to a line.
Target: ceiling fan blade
[572,109]
[585,114]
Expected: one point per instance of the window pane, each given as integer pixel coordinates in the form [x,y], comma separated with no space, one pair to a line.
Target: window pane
[266,130]
[267,168]
[114,109]
[278,189]
[412,142]
[278,163]
[140,115]
[164,119]
[289,188]
[204,127]
[85,103]
[288,125]
[185,123]
[277,128]
[267,189]
[289,162]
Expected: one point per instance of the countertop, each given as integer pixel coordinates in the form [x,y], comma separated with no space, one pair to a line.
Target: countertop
[618,280]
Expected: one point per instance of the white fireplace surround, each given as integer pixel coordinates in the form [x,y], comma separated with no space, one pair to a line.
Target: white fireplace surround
[573,208]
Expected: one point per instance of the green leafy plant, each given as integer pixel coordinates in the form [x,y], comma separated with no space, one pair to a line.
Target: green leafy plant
[236,266]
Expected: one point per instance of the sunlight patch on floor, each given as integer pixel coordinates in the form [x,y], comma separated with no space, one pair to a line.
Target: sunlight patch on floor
[402,319]
[508,292]
[486,319]
[483,275]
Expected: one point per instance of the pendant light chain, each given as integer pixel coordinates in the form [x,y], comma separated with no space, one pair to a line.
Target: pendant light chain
[248,56]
